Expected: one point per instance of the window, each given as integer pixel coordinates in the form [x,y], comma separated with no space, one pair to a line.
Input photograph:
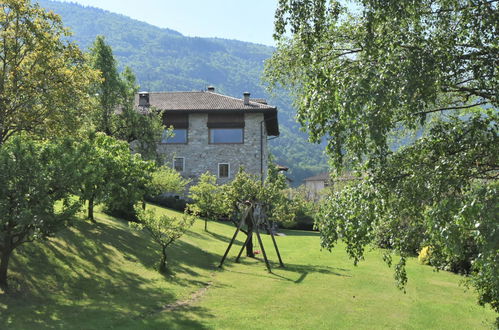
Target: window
[226,127]
[226,135]
[179,136]
[180,124]
[178,163]
[223,170]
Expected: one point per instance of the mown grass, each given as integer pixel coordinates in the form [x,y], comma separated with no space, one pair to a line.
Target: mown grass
[103,276]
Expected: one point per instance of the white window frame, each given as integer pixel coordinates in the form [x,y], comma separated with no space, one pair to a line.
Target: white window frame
[183,163]
[228,171]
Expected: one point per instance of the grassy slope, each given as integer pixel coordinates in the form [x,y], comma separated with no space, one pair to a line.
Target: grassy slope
[103,276]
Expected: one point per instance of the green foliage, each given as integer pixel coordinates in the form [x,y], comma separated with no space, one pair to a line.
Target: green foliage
[44,80]
[166,179]
[306,210]
[99,168]
[208,198]
[108,89]
[111,174]
[37,180]
[164,230]
[270,194]
[424,255]
[115,114]
[131,187]
[358,74]
[361,76]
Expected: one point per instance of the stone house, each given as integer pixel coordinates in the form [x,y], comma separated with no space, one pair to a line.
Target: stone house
[314,185]
[213,132]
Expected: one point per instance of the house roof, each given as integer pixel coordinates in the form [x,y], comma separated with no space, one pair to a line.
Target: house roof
[207,101]
[320,177]
[326,177]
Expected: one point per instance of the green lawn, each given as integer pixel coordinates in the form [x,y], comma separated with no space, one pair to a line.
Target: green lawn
[103,276]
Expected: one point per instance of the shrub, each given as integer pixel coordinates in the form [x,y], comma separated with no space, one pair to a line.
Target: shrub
[424,256]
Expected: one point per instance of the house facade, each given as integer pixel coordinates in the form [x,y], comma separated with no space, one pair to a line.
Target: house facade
[213,132]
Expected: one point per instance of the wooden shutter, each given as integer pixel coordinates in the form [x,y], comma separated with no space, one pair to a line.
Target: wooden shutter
[177,120]
[226,120]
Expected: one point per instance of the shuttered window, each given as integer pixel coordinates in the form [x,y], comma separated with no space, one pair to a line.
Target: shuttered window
[177,120]
[226,120]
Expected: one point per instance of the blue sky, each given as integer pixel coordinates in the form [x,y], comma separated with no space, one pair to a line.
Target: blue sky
[246,20]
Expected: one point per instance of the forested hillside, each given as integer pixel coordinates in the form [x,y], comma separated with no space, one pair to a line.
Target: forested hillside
[165,60]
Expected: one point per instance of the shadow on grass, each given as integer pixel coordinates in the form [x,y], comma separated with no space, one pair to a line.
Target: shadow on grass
[79,280]
[294,273]
[290,232]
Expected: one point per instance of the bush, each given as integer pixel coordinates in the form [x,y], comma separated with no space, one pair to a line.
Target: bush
[424,256]
[123,211]
[302,221]
[171,202]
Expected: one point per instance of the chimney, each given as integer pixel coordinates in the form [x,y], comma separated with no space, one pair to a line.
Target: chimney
[246,98]
[211,89]
[144,99]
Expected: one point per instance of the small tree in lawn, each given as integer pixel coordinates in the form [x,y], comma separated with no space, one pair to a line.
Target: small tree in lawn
[164,230]
[34,178]
[208,198]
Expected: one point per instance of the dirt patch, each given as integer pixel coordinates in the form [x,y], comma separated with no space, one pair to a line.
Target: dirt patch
[194,297]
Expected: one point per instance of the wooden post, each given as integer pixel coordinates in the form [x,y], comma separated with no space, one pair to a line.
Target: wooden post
[263,249]
[273,240]
[234,237]
[249,236]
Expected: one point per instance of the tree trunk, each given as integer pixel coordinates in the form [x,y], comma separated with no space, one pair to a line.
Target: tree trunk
[205,224]
[162,263]
[4,264]
[249,247]
[91,209]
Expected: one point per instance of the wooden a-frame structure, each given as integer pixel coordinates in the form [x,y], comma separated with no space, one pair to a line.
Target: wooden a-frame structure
[253,224]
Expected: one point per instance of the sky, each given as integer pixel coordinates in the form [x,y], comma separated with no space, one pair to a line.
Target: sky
[245,20]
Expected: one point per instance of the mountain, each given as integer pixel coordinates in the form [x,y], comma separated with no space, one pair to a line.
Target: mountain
[165,60]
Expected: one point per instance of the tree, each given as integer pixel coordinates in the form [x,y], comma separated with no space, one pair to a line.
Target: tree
[37,180]
[142,129]
[365,73]
[131,184]
[109,88]
[164,230]
[108,169]
[116,114]
[208,198]
[44,79]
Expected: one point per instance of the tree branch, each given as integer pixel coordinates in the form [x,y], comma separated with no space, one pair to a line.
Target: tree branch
[450,108]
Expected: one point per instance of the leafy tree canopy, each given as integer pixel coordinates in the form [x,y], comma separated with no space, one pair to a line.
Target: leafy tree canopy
[208,198]
[115,112]
[44,79]
[37,180]
[365,73]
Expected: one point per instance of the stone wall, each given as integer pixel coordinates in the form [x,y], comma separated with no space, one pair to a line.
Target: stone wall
[201,156]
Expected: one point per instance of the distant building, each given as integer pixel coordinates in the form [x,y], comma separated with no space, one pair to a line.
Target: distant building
[213,132]
[315,184]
